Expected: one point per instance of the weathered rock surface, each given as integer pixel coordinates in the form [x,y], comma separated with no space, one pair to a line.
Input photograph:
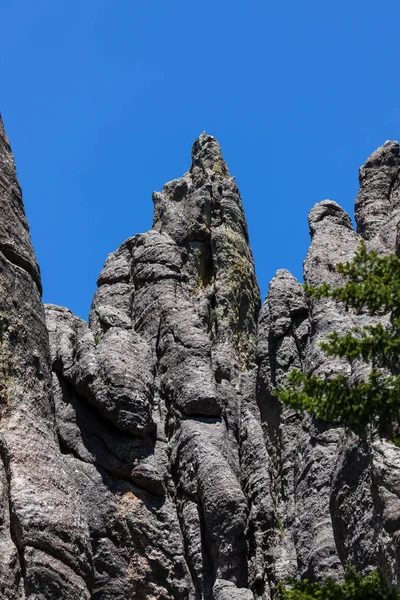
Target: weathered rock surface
[143,455]
[338,498]
[45,538]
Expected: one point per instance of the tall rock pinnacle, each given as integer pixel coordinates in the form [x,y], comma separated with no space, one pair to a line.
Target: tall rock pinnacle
[203,213]
[207,157]
[165,361]
[144,455]
[377,207]
[45,546]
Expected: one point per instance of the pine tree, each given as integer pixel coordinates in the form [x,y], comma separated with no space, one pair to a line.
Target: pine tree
[372,285]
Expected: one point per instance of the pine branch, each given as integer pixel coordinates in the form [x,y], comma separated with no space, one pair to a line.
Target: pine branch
[354,587]
[373,343]
[374,283]
[336,401]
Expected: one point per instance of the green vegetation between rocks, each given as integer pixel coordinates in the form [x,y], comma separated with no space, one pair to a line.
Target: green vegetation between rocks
[373,286]
[354,587]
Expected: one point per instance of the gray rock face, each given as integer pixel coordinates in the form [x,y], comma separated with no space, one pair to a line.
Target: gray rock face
[45,540]
[338,497]
[143,455]
[151,394]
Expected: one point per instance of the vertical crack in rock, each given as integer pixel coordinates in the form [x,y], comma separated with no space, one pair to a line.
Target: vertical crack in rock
[144,454]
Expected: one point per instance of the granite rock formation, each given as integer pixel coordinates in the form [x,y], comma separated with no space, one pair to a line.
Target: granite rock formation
[143,454]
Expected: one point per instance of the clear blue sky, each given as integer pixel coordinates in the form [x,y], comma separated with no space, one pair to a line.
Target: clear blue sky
[102,100]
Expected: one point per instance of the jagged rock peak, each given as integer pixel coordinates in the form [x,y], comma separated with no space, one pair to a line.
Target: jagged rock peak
[378,200]
[3,136]
[384,156]
[327,212]
[203,213]
[15,243]
[207,156]
[7,164]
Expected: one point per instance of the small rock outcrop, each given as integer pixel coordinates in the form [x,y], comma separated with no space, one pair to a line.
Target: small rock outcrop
[144,454]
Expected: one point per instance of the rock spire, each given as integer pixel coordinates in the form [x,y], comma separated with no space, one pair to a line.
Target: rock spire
[143,454]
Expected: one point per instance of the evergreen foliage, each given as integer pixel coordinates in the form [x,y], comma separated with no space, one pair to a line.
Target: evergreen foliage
[372,286]
[354,587]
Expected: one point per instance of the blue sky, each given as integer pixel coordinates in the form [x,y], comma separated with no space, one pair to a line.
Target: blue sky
[102,100]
